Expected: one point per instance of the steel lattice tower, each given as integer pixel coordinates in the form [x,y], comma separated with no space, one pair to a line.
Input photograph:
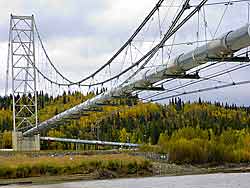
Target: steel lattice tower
[22,57]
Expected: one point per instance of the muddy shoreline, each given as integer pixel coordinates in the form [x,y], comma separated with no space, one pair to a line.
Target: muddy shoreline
[159,169]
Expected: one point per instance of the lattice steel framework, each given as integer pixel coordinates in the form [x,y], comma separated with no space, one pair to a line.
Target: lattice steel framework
[22,56]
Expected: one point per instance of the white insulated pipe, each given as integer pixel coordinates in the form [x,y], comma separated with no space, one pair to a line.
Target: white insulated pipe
[92,142]
[224,46]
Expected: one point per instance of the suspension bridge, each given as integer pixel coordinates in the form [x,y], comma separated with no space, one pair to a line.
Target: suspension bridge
[139,69]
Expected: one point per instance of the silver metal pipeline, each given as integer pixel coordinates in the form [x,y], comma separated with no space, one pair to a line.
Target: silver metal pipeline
[92,142]
[224,46]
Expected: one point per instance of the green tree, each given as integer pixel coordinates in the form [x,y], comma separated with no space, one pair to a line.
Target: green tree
[7,139]
[123,135]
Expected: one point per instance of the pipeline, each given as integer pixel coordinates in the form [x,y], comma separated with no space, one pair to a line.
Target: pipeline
[223,47]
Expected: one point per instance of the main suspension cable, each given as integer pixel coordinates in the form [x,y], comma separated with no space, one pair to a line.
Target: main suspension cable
[156,7]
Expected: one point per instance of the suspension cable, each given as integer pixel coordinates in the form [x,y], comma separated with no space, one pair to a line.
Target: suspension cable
[158,4]
[203,90]
[136,63]
[213,75]
[165,38]
[46,54]
[211,4]
[220,73]
[170,32]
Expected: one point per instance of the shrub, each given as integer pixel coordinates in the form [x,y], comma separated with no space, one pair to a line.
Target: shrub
[23,171]
[132,167]
[187,151]
[113,165]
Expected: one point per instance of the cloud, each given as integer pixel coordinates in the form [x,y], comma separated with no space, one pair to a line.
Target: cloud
[80,36]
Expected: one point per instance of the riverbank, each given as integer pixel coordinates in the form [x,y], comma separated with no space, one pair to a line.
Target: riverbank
[47,169]
[229,180]
[26,168]
[166,169]
[159,169]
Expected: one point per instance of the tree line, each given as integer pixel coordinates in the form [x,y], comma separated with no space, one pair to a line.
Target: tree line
[129,120]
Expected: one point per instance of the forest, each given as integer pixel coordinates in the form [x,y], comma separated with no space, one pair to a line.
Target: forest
[197,132]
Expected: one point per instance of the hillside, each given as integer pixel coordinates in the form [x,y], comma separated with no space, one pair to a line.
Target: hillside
[199,126]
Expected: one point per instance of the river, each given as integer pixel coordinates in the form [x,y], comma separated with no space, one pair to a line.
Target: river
[239,180]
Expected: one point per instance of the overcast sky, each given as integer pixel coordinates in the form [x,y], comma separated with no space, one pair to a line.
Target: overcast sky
[82,35]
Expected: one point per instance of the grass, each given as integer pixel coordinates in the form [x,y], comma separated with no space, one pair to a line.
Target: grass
[103,166]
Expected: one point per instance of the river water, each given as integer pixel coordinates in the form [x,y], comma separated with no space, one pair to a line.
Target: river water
[236,180]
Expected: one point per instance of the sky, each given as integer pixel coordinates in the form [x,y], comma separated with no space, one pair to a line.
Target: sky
[80,36]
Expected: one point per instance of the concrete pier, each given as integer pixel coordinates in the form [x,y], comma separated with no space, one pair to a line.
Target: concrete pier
[21,143]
